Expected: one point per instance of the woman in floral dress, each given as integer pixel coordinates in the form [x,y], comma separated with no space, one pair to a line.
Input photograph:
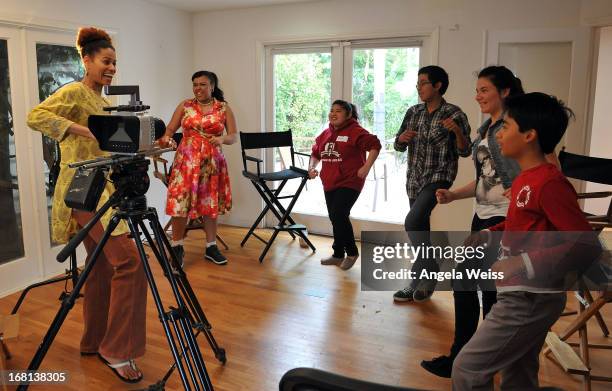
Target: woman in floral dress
[199,184]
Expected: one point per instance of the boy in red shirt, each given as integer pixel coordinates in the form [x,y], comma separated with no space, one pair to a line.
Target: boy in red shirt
[532,293]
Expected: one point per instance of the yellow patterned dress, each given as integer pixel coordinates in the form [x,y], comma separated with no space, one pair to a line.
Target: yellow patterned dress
[72,103]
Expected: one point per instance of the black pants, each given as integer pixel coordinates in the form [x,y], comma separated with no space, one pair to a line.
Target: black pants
[418,227]
[467,306]
[339,203]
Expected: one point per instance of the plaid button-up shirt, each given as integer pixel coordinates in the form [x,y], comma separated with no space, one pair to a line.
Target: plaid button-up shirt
[433,152]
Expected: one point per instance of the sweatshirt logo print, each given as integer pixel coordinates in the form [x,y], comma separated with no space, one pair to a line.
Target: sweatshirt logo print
[522,198]
[329,151]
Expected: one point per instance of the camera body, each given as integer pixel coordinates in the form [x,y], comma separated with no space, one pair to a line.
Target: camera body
[126,130]
[124,133]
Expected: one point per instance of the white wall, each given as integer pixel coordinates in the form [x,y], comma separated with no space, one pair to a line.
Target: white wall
[235,58]
[154,47]
[601,144]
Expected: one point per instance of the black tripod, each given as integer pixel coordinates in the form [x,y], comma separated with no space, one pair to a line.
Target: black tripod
[178,322]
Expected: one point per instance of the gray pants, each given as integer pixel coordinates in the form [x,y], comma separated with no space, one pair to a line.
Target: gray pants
[509,340]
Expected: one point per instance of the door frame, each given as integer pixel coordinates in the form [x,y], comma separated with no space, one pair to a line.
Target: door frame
[17,273]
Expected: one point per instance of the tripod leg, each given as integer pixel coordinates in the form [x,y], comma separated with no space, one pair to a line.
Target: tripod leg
[183,284]
[165,318]
[68,303]
[196,312]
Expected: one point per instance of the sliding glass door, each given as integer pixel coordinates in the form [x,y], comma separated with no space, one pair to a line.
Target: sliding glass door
[378,77]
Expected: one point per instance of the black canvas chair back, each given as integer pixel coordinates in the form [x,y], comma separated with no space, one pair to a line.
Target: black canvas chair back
[266,140]
[590,169]
[586,168]
[254,172]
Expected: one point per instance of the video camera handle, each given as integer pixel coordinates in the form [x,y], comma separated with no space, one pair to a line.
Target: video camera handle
[78,238]
[132,91]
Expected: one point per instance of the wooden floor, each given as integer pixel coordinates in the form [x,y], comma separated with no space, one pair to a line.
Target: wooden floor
[287,312]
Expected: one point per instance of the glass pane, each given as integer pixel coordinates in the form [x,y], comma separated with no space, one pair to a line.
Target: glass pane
[11,238]
[302,95]
[383,89]
[57,65]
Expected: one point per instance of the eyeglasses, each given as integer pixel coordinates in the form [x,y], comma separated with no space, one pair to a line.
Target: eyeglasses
[421,84]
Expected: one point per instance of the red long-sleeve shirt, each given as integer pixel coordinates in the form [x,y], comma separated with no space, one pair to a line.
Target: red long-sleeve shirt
[544,200]
[342,153]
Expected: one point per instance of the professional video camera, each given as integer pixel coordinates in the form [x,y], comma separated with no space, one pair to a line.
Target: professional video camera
[129,134]
[129,130]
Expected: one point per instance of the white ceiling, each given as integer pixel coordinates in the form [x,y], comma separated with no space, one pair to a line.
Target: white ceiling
[209,5]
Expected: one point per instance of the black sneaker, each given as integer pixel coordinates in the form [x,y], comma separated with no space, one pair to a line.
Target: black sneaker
[179,253]
[405,294]
[213,254]
[440,366]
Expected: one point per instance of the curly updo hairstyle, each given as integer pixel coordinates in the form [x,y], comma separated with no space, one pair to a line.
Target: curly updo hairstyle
[91,39]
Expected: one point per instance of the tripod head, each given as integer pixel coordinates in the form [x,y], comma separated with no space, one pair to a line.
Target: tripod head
[129,174]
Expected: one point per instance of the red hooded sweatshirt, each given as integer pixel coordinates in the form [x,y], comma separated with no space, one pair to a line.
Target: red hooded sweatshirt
[342,153]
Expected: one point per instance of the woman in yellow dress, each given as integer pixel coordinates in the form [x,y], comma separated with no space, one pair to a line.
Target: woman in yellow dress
[114,305]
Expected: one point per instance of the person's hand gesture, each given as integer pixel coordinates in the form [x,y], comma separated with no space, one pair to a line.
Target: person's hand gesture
[451,125]
[166,142]
[445,196]
[312,173]
[508,193]
[217,141]
[407,136]
[362,173]
[90,135]
[477,239]
[509,267]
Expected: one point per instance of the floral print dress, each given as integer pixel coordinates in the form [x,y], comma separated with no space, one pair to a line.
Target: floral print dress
[199,182]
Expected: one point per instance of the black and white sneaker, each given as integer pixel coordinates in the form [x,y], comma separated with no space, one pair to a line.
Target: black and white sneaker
[213,254]
[179,253]
[404,295]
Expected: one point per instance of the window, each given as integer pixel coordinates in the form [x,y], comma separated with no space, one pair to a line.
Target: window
[11,240]
[56,65]
[378,76]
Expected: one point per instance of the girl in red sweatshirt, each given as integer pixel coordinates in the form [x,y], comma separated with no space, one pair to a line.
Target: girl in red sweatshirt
[341,149]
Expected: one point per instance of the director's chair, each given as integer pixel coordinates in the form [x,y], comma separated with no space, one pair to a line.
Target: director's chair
[272,197]
[595,170]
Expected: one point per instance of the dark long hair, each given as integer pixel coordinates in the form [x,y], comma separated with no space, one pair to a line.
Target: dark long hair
[217,93]
[350,108]
[503,78]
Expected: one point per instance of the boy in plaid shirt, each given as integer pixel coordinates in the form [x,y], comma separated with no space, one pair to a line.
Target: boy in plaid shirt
[434,133]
